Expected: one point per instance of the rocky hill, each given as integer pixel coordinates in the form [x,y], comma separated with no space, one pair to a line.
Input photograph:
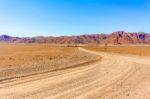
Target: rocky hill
[114,38]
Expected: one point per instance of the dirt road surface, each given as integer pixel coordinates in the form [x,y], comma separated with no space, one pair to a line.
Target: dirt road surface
[114,77]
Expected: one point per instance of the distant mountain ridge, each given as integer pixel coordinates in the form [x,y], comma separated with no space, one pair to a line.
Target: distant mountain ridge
[115,38]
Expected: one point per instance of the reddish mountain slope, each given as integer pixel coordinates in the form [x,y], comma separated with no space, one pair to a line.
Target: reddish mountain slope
[114,38]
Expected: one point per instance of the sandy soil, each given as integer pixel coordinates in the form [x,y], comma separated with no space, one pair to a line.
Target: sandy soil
[142,50]
[24,54]
[21,60]
[114,77]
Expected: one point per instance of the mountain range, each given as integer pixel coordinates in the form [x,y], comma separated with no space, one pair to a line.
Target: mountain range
[115,38]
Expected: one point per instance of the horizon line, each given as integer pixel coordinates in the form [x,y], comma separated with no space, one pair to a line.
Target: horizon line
[68,35]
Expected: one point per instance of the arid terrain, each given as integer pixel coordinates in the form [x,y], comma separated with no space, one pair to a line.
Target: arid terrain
[26,59]
[143,50]
[43,71]
[18,54]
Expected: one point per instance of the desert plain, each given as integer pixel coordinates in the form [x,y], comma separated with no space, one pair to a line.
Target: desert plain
[44,71]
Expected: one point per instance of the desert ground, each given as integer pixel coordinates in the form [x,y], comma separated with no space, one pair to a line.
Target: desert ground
[42,71]
[141,50]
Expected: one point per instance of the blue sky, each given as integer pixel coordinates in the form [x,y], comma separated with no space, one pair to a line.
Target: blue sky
[73,17]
